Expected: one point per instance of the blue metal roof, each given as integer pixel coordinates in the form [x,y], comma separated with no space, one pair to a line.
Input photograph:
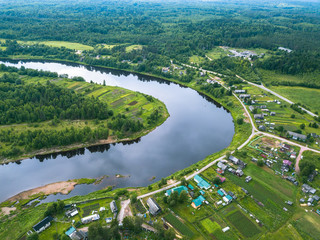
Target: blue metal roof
[190,186]
[70,230]
[220,193]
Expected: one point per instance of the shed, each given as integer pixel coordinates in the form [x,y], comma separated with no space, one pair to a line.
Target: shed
[113,207]
[154,208]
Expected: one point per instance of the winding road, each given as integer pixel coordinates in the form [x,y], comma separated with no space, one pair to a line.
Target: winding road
[254,132]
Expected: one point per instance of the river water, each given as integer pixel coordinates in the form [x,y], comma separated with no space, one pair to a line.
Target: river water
[195,129]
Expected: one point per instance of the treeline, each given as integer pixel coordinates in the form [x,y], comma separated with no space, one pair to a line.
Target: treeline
[44,138]
[292,63]
[27,71]
[21,102]
[176,30]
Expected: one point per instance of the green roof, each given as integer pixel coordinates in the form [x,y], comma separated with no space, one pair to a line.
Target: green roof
[177,189]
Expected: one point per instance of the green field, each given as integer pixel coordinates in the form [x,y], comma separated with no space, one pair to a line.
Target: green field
[70,45]
[216,53]
[308,225]
[243,224]
[196,59]
[287,232]
[133,47]
[210,226]
[178,225]
[305,96]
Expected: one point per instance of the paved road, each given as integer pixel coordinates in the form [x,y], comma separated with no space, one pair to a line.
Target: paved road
[253,133]
[124,211]
[276,94]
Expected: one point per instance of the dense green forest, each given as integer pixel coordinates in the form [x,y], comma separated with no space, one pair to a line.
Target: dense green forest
[45,111]
[173,30]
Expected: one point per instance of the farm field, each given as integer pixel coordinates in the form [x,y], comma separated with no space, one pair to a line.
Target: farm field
[177,224]
[133,47]
[305,96]
[70,45]
[241,222]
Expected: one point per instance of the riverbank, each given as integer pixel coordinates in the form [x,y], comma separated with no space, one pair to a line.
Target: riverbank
[230,103]
[134,105]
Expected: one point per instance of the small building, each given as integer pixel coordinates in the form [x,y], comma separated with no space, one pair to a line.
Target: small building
[239,172]
[289,203]
[222,179]
[234,160]
[287,162]
[109,219]
[43,224]
[245,191]
[154,208]
[248,179]
[225,229]
[220,193]
[198,202]
[90,218]
[239,91]
[72,213]
[113,207]
[190,187]
[272,113]
[75,234]
[244,96]
[251,108]
[202,192]
[302,200]
[316,198]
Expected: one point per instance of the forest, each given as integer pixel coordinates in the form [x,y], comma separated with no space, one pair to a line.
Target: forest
[35,104]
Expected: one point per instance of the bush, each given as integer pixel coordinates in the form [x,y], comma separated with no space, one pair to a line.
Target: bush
[260,163]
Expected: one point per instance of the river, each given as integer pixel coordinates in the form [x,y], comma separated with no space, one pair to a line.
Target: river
[195,129]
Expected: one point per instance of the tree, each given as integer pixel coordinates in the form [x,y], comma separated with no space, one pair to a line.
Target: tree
[302,125]
[217,180]
[33,236]
[293,116]
[240,120]
[183,197]
[133,198]
[260,163]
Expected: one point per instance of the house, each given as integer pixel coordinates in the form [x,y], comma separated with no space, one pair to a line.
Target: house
[220,171]
[90,218]
[43,224]
[239,91]
[258,116]
[176,189]
[201,182]
[286,162]
[227,199]
[113,207]
[222,179]
[314,135]
[297,136]
[222,166]
[248,179]
[202,192]
[245,191]
[198,202]
[75,234]
[234,159]
[154,208]
[262,128]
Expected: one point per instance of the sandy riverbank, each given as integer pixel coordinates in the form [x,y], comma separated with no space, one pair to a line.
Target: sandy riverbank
[59,187]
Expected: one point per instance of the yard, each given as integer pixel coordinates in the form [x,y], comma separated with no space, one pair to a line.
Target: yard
[178,225]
